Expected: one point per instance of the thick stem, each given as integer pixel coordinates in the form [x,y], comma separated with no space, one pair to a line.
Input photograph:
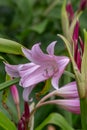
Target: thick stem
[83,106]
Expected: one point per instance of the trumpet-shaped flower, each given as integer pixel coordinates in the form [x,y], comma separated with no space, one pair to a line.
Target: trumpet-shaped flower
[42,67]
[71,98]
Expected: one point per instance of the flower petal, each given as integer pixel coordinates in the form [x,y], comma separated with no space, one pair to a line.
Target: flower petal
[54,81]
[27,69]
[50,48]
[38,56]
[62,61]
[12,70]
[33,78]
[68,91]
[27,53]
[26,92]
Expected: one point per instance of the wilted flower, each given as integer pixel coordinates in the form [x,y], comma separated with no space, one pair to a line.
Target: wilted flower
[42,67]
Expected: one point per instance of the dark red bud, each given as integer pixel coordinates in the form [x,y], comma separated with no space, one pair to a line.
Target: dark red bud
[83,4]
[70,11]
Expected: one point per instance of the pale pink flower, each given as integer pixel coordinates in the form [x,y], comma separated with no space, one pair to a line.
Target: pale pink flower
[42,67]
[71,98]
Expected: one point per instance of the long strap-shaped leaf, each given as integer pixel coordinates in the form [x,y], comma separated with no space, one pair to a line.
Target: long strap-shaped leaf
[11,47]
[55,119]
[5,123]
[8,83]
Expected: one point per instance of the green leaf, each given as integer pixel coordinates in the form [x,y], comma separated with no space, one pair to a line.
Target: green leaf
[12,47]
[8,83]
[55,119]
[5,123]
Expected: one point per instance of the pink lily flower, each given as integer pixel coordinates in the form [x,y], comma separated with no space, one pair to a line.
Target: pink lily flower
[42,67]
[71,98]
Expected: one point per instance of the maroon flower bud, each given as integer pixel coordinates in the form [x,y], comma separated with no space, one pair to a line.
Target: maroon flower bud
[70,11]
[23,123]
[26,111]
[83,4]
[76,32]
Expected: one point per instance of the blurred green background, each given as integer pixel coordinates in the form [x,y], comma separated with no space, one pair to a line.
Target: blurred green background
[29,22]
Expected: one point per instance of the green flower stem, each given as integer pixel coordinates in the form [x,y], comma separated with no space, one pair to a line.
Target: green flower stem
[83,106]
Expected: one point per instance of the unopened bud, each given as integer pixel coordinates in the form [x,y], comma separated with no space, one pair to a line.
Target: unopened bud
[70,11]
[83,4]
[15,94]
[26,111]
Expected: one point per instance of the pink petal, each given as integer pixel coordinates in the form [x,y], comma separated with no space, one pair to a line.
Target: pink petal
[62,62]
[54,81]
[12,70]
[27,69]
[38,56]
[33,78]
[26,92]
[50,48]
[68,91]
[72,105]
[27,53]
